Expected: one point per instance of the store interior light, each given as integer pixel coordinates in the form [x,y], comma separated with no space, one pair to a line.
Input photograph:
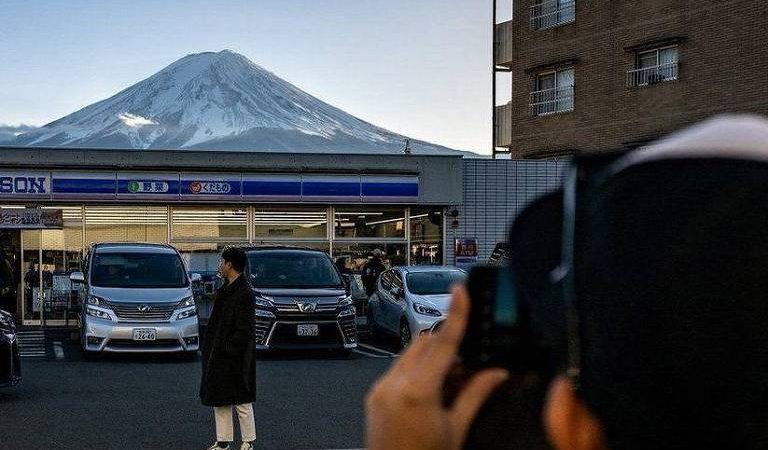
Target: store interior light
[384,221]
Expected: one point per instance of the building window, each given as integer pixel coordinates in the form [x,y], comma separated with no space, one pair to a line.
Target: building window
[209,223]
[276,222]
[654,66]
[358,222]
[126,224]
[552,13]
[554,93]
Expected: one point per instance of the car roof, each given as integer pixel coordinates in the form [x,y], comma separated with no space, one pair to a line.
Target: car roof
[133,247]
[252,248]
[418,269]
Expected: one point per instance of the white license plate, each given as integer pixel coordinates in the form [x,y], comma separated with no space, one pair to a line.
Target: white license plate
[307,330]
[144,334]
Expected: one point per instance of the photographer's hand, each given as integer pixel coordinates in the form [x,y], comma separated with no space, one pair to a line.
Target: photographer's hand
[405,407]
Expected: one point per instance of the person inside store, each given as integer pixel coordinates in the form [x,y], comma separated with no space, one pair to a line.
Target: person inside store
[228,381]
[371,271]
[659,343]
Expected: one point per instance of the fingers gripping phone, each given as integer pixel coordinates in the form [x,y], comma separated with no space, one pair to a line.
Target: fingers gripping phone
[497,333]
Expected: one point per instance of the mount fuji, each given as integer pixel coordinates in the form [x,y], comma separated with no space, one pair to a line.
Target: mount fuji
[219,101]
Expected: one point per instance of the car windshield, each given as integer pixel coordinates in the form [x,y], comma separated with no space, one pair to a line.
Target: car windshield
[138,270]
[291,269]
[434,283]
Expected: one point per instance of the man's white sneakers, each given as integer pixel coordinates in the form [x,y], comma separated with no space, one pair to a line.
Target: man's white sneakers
[215,446]
[246,446]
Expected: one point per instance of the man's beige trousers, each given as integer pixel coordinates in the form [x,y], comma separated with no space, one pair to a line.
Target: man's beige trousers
[225,428]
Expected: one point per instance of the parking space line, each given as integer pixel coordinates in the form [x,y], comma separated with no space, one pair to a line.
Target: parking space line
[376,349]
[370,355]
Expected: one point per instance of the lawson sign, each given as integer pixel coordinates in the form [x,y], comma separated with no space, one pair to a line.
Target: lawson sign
[25,184]
[201,187]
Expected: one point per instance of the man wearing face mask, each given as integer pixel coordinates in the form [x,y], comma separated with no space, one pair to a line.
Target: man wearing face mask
[229,358]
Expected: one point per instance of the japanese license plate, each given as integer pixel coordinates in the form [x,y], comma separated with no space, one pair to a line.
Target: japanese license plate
[307,330]
[144,334]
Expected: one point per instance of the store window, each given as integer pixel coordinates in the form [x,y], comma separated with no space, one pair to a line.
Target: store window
[351,222]
[320,245]
[426,236]
[46,285]
[355,255]
[290,223]
[209,223]
[126,224]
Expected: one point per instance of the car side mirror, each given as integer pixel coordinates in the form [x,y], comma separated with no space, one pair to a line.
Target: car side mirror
[195,278]
[77,277]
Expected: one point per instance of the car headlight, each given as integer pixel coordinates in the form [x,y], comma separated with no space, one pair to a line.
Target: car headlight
[187,302]
[346,312]
[187,314]
[426,310]
[97,301]
[262,301]
[98,313]
[345,301]
[260,313]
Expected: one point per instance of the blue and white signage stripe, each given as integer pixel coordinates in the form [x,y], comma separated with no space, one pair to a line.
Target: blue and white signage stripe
[83,185]
[272,187]
[126,186]
[337,188]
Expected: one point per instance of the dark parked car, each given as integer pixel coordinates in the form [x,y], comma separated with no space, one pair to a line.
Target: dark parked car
[301,300]
[10,362]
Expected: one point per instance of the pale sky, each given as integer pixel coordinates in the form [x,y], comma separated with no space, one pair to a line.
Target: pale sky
[416,67]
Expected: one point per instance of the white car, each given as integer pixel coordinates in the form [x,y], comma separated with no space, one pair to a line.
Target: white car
[413,300]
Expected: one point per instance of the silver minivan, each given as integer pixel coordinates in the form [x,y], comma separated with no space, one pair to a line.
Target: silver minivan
[137,298]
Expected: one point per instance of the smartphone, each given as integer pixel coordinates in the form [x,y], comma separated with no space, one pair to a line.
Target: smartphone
[496,328]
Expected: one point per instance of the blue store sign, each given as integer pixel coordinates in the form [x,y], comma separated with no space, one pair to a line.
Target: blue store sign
[208,187]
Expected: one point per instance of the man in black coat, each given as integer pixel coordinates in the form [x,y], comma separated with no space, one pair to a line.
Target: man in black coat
[371,272]
[229,356]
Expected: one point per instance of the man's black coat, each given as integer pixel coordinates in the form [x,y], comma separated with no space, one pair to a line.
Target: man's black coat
[229,355]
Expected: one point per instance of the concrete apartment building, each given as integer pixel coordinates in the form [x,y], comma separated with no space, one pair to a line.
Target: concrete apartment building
[597,75]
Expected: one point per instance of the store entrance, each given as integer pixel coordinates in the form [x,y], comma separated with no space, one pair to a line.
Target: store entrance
[10,272]
[48,297]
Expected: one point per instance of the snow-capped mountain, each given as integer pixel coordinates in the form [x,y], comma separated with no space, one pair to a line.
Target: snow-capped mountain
[219,101]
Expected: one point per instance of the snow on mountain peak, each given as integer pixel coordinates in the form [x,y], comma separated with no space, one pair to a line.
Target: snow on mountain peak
[219,101]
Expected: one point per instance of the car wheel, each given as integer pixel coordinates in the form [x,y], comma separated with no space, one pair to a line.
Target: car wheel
[343,353]
[405,334]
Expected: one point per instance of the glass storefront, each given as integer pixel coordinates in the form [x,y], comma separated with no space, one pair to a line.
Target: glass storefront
[290,223]
[355,255]
[42,260]
[426,241]
[209,223]
[126,224]
[370,223]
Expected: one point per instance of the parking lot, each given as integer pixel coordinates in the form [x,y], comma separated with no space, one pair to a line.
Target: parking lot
[304,401]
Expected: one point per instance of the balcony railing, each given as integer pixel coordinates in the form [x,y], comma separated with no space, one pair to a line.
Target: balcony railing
[652,75]
[552,13]
[551,101]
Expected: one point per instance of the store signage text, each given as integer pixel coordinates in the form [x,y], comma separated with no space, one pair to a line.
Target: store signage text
[23,185]
[31,218]
[148,187]
[209,187]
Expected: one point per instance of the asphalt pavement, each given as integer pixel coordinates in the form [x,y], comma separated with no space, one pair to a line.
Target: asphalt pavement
[304,401]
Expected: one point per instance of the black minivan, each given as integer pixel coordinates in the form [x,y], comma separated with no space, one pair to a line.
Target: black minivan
[301,300]
[10,361]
